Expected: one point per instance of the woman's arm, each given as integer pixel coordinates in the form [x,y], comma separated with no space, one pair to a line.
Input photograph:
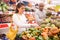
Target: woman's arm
[18,23]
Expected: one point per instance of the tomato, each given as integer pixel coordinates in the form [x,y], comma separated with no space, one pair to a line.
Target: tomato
[54,30]
[32,38]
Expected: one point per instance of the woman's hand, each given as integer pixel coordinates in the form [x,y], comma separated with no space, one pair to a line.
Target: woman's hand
[34,25]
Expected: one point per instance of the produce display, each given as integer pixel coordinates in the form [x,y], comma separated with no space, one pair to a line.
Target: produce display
[40,34]
[5,18]
[3,7]
[49,29]
[50,23]
[31,18]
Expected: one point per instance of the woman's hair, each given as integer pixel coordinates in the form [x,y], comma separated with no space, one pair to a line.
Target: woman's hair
[18,6]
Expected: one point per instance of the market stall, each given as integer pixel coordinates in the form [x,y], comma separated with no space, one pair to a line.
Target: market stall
[47,28]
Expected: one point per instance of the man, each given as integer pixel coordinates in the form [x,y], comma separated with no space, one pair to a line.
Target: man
[40,14]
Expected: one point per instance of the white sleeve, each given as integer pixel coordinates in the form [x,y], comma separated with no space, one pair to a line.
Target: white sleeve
[37,17]
[18,23]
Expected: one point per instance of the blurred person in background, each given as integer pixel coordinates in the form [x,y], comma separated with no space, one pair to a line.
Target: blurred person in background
[12,2]
[40,13]
[33,2]
[12,5]
[20,19]
[30,7]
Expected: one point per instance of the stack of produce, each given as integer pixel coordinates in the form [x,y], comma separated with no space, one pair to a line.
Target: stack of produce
[3,7]
[48,30]
[48,22]
[39,33]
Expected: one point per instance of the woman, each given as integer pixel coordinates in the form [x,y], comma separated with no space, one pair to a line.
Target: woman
[19,19]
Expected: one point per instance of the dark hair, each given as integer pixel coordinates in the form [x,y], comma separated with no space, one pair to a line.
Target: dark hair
[18,6]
